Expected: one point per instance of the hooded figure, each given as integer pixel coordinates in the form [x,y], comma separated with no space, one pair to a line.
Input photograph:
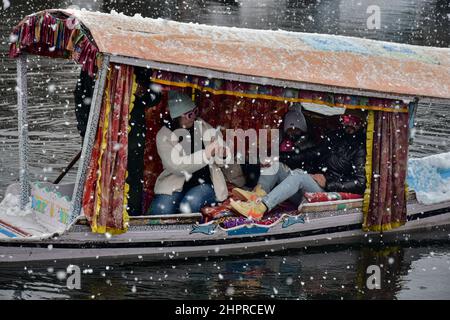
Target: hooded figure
[295,138]
[340,167]
[340,159]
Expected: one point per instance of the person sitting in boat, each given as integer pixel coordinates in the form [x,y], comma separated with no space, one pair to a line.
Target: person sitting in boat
[340,168]
[191,178]
[295,136]
[294,139]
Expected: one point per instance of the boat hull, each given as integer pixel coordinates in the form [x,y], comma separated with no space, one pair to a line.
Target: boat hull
[174,242]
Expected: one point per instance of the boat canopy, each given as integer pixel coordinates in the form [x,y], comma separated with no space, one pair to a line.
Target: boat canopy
[291,59]
[220,68]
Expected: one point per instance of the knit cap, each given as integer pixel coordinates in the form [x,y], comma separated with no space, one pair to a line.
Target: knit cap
[294,118]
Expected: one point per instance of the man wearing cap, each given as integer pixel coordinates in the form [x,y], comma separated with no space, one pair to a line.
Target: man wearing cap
[339,167]
[187,146]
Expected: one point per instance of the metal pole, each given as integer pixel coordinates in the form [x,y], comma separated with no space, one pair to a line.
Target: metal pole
[412,110]
[89,138]
[67,169]
[22,108]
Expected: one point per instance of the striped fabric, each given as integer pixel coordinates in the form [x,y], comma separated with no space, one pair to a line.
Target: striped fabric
[9,231]
[106,190]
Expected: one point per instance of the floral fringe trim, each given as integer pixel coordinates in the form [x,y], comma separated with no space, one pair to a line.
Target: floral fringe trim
[59,37]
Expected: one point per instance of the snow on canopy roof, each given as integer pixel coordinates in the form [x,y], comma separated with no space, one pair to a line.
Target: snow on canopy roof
[330,60]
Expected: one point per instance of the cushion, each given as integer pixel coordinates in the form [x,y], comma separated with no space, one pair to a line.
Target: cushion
[330,196]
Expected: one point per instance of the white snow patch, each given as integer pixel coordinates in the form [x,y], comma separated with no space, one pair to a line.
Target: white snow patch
[6,4]
[10,206]
[26,219]
[13,38]
[430,178]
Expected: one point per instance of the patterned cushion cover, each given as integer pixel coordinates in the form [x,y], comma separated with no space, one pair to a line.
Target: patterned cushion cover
[330,196]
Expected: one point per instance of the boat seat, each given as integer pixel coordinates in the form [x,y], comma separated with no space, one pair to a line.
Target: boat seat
[333,205]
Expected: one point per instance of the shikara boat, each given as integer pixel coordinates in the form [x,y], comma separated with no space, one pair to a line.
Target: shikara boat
[257,73]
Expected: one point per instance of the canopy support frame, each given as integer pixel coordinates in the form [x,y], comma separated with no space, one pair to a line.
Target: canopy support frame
[209,73]
[88,141]
[22,110]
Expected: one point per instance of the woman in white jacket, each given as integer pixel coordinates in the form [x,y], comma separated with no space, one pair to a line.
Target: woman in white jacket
[187,146]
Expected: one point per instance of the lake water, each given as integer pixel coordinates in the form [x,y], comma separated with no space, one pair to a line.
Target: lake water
[416,272]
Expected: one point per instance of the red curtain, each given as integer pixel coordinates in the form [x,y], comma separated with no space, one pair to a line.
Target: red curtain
[386,205]
[105,196]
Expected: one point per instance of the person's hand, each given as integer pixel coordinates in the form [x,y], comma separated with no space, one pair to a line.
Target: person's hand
[224,151]
[211,149]
[320,179]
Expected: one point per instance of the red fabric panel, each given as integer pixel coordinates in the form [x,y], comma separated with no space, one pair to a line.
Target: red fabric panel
[111,150]
[387,208]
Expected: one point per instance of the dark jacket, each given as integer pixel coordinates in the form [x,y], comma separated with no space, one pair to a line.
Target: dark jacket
[299,147]
[341,159]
